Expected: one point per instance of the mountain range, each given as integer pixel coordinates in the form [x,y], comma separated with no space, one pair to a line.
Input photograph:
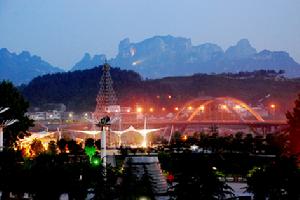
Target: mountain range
[23,67]
[157,57]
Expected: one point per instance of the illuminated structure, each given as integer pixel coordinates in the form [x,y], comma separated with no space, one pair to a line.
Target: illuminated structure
[218,109]
[3,124]
[143,132]
[106,98]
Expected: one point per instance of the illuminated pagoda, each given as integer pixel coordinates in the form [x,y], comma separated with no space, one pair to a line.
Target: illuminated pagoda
[106,98]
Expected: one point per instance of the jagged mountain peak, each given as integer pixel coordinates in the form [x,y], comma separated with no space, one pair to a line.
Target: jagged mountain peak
[23,67]
[241,50]
[88,61]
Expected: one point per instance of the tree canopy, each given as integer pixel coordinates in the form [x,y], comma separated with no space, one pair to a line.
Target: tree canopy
[11,98]
[294,128]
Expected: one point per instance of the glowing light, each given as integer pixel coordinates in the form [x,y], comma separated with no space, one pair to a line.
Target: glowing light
[85,114]
[163,109]
[176,108]
[184,138]
[194,147]
[128,110]
[202,108]
[95,161]
[132,51]
[151,109]
[136,62]
[70,115]
[158,97]
[214,168]
[139,109]
[169,97]
[190,108]
[237,107]
[224,107]
[273,106]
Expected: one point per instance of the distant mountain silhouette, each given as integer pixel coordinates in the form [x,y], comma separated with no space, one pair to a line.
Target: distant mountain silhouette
[156,57]
[87,61]
[162,56]
[23,67]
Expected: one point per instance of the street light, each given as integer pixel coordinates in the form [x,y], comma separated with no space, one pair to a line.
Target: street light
[139,109]
[273,109]
[4,124]
[104,124]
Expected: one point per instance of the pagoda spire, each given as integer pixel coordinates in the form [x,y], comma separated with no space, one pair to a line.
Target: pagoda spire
[106,96]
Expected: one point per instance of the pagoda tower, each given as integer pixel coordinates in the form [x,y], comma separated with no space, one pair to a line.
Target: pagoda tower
[106,98]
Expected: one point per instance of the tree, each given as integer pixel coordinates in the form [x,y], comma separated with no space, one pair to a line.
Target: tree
[197,179]
[73,147]
[293,119]
[277,180]
[36,147]
[62,144]
[90,142]
[11,98]
[52,148]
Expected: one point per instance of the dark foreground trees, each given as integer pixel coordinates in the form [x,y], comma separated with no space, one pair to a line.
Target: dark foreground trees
[294,128]
[279,180]
[11,98]
[47,176]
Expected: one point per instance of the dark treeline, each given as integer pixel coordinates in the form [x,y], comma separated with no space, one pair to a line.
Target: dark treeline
[78,89]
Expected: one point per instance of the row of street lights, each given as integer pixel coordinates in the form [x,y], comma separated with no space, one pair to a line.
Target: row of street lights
[201,108]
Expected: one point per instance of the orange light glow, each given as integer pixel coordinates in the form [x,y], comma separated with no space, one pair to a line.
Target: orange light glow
[224,107]
[151,109]
[237,107]
[139,109]
[190,108]
[184,137]
[202,108]
[176,108]
[163,109]
[273,106]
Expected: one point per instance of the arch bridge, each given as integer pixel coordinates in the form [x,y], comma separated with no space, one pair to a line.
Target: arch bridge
[220,109]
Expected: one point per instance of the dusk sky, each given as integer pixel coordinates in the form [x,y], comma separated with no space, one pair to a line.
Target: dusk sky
[61,31]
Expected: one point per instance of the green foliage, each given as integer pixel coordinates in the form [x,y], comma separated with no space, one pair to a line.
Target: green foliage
[10,97]
[90,151]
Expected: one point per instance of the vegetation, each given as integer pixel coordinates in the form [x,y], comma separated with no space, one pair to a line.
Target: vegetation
[11,98]
[78,89]
[294,128]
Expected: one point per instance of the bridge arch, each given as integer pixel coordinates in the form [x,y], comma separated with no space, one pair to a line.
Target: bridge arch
[228,101]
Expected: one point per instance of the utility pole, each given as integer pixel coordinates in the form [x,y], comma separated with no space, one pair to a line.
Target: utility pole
[104,124]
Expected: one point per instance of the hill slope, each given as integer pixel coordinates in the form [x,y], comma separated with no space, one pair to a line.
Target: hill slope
[78,89]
